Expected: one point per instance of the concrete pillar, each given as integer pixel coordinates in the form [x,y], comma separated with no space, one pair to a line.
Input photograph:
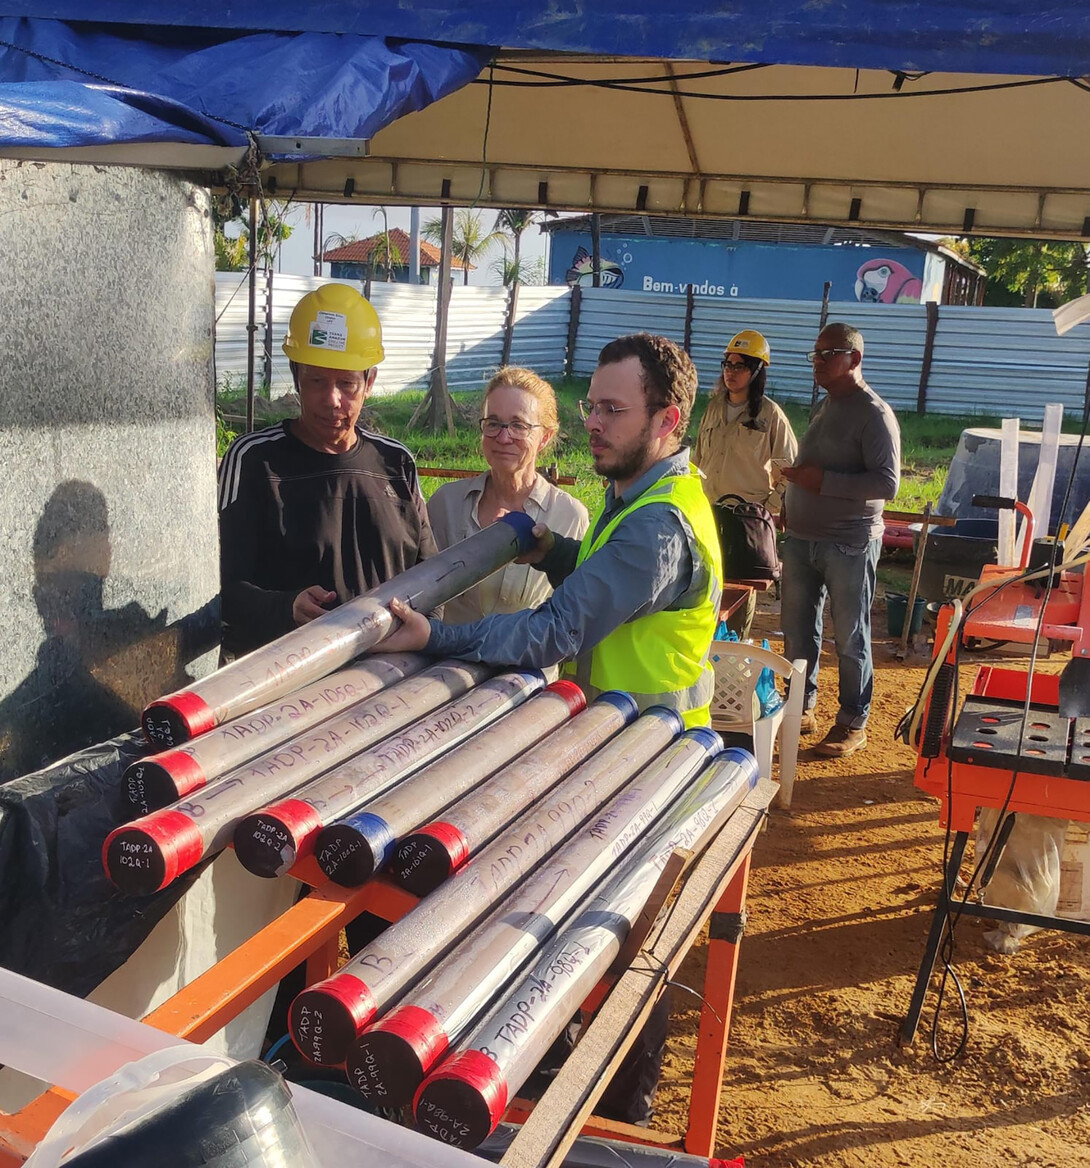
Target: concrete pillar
[108,544]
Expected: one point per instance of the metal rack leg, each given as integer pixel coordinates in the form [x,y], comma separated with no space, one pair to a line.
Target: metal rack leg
[725,936]
[934,938]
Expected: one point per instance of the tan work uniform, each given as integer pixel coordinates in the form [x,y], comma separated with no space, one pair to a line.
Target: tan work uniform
[735,456]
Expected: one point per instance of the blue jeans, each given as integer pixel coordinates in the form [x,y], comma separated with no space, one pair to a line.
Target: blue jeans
[812,569]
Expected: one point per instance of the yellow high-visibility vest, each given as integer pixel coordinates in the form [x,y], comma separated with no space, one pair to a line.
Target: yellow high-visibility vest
[662,658]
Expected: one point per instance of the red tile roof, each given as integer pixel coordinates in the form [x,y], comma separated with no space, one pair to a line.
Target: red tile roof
[359,251]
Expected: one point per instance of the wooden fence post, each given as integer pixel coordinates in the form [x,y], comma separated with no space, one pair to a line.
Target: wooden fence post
[932,309]
[573,330]
[822,321]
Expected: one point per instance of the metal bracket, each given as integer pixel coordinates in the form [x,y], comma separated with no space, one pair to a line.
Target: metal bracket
[728,927]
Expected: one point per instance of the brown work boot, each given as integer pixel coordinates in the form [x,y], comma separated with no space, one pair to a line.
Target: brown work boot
[807,723]
[841,741]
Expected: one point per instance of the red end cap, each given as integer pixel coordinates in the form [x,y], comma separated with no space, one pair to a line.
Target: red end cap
[571,693]
[327,1017]
[351,993]
[481,1074]
[301,820]
[183,768]
[419,1030]
[451,840]
[155,849]
[195,713]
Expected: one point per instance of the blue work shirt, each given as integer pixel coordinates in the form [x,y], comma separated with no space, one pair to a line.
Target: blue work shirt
[649,563]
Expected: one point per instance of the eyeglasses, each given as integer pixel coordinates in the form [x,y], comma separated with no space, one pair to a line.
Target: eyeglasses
[491,427]
[734,366]
[825,354]
[604,411]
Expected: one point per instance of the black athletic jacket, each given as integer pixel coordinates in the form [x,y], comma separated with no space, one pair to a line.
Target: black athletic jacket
[291,517]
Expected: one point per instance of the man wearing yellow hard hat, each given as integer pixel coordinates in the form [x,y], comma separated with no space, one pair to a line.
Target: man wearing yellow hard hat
[316,510]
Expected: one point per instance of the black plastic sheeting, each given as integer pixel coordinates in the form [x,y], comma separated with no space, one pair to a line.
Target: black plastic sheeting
[61,920]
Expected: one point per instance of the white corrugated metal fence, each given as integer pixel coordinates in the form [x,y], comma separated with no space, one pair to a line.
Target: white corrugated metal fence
[984,361]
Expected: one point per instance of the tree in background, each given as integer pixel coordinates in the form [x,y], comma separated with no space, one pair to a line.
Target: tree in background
[519,271]
[1032,273]
[233,250]
[470,240]
[512,222]
[385,252]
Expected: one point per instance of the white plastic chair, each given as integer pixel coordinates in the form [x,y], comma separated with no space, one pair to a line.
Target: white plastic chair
[735,707]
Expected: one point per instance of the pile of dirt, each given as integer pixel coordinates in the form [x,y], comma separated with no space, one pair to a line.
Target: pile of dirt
[839,904]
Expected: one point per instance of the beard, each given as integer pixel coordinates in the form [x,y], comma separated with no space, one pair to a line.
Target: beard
[627,461]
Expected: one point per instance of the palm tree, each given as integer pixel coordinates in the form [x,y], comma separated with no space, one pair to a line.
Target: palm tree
[520,271]
[385,251]
[469,242]
[512,222]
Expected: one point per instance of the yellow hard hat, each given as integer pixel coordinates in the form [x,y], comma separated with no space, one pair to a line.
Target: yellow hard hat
[749,343]
[334,327]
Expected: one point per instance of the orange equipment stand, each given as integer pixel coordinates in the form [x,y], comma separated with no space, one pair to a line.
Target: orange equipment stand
[962,787]
[310,931]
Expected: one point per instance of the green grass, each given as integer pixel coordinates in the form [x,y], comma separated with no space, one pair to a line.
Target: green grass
[928,441]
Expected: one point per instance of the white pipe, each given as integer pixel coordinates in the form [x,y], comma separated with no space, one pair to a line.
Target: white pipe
[464,1098]
[326,1018]
[350,851]
[149,853]
[390,1059]
[272,839]
[314,650]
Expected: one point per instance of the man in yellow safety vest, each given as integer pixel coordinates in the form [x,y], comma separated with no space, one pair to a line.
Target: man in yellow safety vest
[636,602]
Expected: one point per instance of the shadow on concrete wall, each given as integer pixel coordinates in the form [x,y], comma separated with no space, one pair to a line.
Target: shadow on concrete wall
[96,667]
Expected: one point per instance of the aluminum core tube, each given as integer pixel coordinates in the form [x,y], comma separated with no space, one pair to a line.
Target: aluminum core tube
[351,850]
[315,649]
[465,1096]
[269,841]
[328,1016]
[147,854]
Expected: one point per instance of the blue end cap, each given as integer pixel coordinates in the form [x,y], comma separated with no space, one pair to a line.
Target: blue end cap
[535,677]
[745,760]
[711,741]
[376,831]
[524,528]
[622,701]
[667,715]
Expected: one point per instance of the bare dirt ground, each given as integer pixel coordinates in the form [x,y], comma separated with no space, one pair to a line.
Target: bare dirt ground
[840,900]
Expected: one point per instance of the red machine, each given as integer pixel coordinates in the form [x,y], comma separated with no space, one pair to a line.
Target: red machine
[984,756]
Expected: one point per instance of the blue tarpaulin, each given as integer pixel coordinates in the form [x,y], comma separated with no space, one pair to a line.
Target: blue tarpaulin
[107,72]
[961,36]
[72,85]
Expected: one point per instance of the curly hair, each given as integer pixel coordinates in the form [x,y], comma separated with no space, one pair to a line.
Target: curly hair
[669,375]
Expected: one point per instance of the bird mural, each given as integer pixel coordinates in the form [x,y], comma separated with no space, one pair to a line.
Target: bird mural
[581,271]
[887,282]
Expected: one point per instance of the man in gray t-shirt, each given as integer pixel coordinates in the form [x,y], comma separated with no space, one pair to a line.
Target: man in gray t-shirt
[848,464]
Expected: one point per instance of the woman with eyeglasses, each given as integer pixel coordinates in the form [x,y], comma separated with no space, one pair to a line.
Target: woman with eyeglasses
[518,422]
[744,440]
[744,437]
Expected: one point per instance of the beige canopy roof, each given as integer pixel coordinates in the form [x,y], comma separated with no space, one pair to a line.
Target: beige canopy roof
[944,153]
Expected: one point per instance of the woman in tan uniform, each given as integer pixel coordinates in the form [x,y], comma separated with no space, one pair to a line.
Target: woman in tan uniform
[744,437]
